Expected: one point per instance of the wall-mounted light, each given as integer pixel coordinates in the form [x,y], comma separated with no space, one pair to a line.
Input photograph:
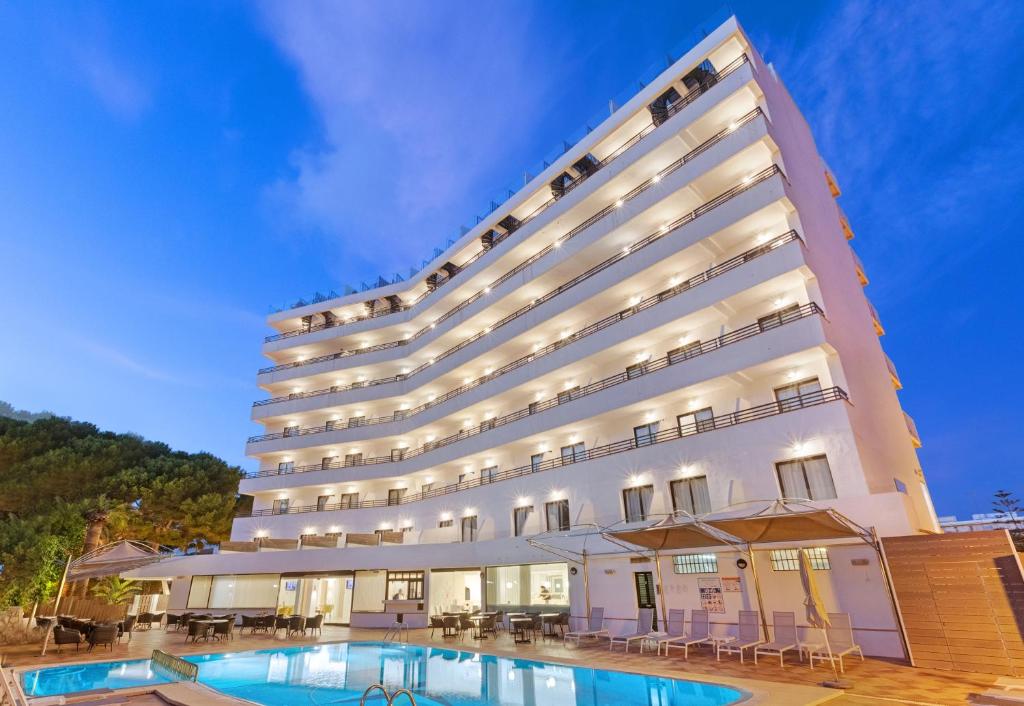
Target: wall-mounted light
[656,178]
[619,203]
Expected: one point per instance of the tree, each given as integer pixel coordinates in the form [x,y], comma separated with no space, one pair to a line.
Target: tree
[1006,505]
[116,590]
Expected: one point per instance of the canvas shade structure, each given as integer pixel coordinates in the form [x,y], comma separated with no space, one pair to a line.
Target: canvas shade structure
[113,559]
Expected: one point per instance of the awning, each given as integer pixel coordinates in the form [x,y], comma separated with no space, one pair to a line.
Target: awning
[113,559]
[782,522]
[671,533]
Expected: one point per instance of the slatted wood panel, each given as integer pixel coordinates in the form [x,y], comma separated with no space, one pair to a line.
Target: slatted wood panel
[961,597]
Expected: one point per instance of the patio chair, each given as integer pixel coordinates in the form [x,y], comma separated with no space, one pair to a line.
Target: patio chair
[499,620]
[487,625]
[784,627]
[315,624]
[183,620]
[465,625]
[224,629]
[66,636]
[563,623]
[103,635]
[595,628]
[125,627]
[296,624]
[675,632]
[172,621]
[266,623]
[157,618]
[644,621]
[840,639]
[700,632]
[248,621]
[195,630]
[437,623]
[145,621]
[749,635]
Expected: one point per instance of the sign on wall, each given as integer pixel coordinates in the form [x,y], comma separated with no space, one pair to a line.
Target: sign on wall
[711,598]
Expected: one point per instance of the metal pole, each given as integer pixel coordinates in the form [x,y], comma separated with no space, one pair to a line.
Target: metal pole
[757,589]
[586,582]
[56,606]
[661,590]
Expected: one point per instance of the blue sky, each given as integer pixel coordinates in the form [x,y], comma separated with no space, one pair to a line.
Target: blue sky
[168,170]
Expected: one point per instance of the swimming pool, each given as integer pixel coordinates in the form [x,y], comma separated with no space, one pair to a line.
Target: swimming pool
[338,673]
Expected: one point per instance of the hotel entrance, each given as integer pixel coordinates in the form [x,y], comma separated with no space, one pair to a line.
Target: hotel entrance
[309,594]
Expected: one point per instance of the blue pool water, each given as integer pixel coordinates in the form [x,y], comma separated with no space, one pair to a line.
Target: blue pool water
[339,673]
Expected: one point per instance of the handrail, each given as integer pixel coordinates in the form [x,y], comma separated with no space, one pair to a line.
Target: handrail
[388,698]
[698,348]
[684,101]
[762,411]
[745,185]
[175,665]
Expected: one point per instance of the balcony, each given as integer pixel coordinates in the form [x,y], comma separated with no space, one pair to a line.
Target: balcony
[915,438]
[859,266]
[833,185]
[495,236]
[730,419]
[844,223]
[876,320]
[893,375]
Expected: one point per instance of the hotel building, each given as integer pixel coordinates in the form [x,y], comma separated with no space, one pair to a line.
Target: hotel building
[669,319]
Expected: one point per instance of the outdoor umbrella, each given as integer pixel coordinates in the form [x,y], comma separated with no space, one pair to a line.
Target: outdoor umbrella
[817,616]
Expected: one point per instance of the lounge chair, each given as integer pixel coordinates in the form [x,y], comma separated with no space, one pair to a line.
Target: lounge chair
[248,621]
[315,624]
[296,625]
[224,630]
[749,635]
[784,627]
[125,627]
[644,621]
[595,628]
[172,621]
[103,635]
[700,632]
[840,640]
[66,636]
[675,633]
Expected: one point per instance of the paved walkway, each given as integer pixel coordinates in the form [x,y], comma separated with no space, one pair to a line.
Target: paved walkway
[874,681]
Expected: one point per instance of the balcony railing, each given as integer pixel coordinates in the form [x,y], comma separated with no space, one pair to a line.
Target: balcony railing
[862,274]
[694,350]
[915,438]
[684,286]
[684,101]
[770,409]
[876,320]
[665,230]
[893,374]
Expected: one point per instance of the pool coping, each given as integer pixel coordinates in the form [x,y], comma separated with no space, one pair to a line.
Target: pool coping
[755,692]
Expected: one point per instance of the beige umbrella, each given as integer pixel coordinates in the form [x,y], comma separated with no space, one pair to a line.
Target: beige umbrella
[817,616]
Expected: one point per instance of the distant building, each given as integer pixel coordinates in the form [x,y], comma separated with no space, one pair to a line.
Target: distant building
[982,521]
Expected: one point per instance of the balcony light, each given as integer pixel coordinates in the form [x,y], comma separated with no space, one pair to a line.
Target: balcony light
[359,413]
[664,228]
[334,528]
[296,390]
[489,415]
[428,479]
[469,512]
[625,250]
[309,530]
[433,325]
[539,396]
[536,346]
[656,178]
[674,281]
[747,179]
[487,290]
[793,374]
[405,371]
[445,516]
[300,358]
[798,447]
[339,383]
[694,404]
[732,126]
[361,378]
[407,336]
[642,356]
[573,438]
[650,417]
[635,480]
[762,238]
[635,299]
[618,204]
[488,371]
[684,339]
[779,302]
[261,533]
[432,361]
[328,491]
[350,489]
[282,496]
[466,381]
[564,334]
[404,405]
[467,423]
[486,330]
[558,494]
[522,501]
[557,244]
[354,450]
[364,344]
[488,461]
[570,384]
[286,459]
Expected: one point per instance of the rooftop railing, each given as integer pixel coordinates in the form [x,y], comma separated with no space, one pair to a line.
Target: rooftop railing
[679,288]
[683,101]
[730,419]
[747,183]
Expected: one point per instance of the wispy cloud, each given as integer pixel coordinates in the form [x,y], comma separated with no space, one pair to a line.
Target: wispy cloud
[119,87]
[414,102]
[122,360]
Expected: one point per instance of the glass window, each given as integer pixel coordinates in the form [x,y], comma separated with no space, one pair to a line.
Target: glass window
[487,475]
[469,528]
[519,517]
[695,564]
[535,462]
[777,318]
[637,502]
[646,434]
[426,488]
[445,523]
[280,506]
[399,415]
[397,454]
[532,407]
[574,452]
[696,422]
[330,424]
[322,501]
[806,478]
[291,431]
[683,352]
[793,396]
[286,467]
[487,424]
[405,585]
[353,459]
[327,461]
[349,501]
[789,559]
[356,421]
[235,591]
[567,395]
[528,587]
[557,515]
[634,371]
[395,495]
[368,591]
[691,495]
[199,592]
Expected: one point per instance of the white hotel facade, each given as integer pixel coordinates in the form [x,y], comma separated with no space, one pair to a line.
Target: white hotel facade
[669,319]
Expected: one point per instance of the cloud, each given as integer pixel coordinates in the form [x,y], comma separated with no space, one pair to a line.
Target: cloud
[416,100]
[121,91]
[122,360]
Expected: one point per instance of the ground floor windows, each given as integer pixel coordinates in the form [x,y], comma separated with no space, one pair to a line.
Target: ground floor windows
[405,585]
[557,515]
[637,502]
[369,591]
[528,587]
[789,559]
[328,595]
[234,591]
[695,564]
[691,495]
[455,591]
[519,517]
[469,528]
[806,478]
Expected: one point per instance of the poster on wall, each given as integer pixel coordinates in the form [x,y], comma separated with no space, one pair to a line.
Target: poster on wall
[711,598]
[731,584]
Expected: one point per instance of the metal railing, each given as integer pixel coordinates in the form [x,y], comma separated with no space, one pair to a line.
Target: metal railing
[665,230]
[632,141]
[591,329]
[770,409]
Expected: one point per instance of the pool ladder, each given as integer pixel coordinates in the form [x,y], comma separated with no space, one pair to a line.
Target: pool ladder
[390,697]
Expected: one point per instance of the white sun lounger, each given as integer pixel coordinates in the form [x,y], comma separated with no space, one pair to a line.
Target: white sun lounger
[749,635]
[676,633]
[785,637]
[700,632]
[644,623]
[840,640]
[595,628]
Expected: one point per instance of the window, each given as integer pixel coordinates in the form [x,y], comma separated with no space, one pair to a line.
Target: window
[646,434]
[574,452]
[806,478]
[696,422]
[280,506]
[353,459]
[691,495]
[397,454]
[405,585]
[695,564]
[567,395]
[487,424]
[291,431]
[683,352]
[469,528]
[901,487]
[792,396]
[542,588]
[356,422]
[637,502]
[463,477]
[426,488]
[789,559]
[777,318]
[535,462]
[286,467]
[327,461]
[519,517]
[487,475]
[557,515]
[395,495]
[304,537]
[349,501]
[635,370]
[234,591]
[330,424]
[398,415]
[322,501]
[445,523]
[532,407]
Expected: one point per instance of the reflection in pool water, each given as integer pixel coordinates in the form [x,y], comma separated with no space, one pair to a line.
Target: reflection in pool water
[336,673]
